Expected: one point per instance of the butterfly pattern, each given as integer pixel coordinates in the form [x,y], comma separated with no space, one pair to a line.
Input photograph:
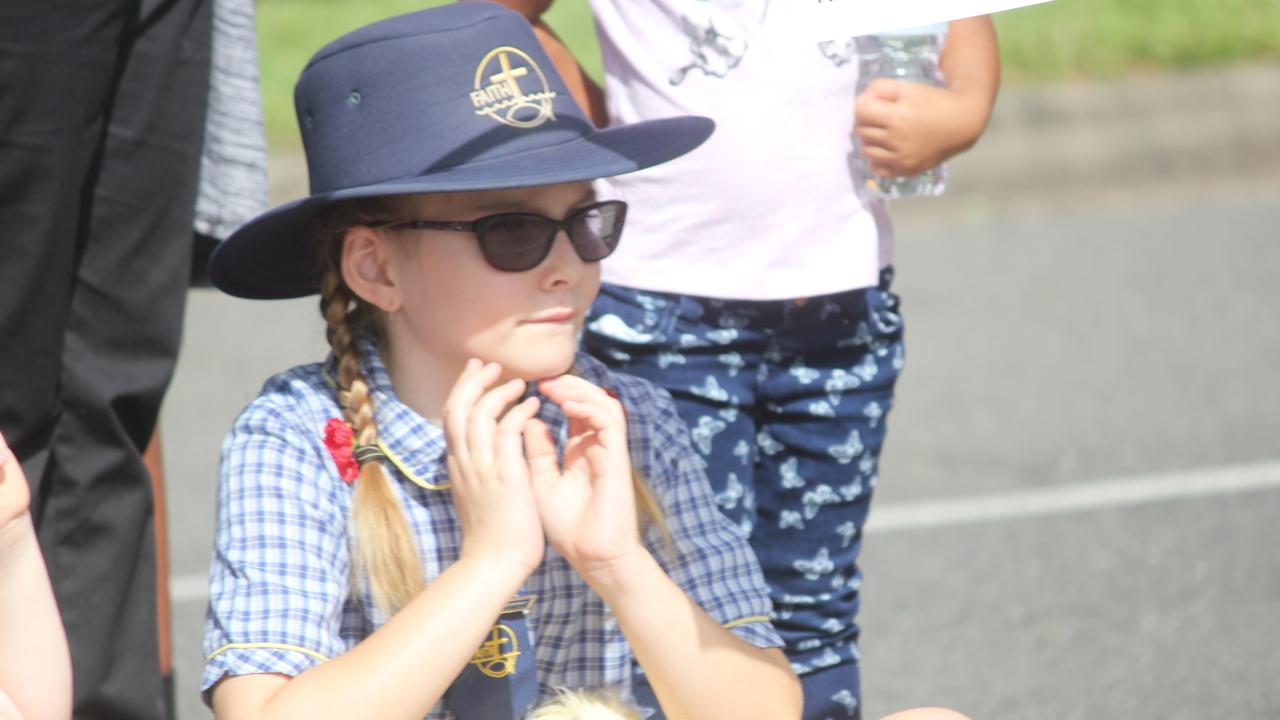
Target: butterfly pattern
[838,383]
[845,452]
[789,429]
[817,566]
[733,361]
[790,477]
[667,358]
[790,519]
[710,389]
[706,430]
[846,699]
[732,493]
[847,532]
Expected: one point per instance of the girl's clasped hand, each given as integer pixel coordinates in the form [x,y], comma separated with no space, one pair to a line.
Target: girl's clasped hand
[512,491]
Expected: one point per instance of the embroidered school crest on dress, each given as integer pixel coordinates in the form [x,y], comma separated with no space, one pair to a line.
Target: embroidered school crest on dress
[498,655]
[496,684]
[510,88]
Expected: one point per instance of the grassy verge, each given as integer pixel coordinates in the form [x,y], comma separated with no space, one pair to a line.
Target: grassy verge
[1068,39]
[1060,40]
[290,31]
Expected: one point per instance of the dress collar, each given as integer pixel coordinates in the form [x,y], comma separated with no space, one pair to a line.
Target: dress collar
[416,446]
[413,444]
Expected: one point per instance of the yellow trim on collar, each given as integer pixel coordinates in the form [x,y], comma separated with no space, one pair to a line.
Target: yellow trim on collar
[404,470]
[745,621]
[268,646]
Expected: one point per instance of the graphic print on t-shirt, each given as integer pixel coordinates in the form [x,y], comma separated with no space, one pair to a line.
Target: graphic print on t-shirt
[839,52]
[717,31]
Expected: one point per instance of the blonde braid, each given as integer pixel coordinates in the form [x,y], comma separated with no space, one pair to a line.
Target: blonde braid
[385,550]
[649,510]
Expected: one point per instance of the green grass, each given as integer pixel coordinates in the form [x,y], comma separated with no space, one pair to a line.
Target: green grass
[290,31]
[1060,40]
[1069,39]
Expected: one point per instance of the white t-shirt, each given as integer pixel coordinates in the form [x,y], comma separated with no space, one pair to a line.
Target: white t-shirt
[766,209]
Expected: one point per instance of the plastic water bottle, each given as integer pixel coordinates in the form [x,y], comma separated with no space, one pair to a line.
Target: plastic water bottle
[912,56]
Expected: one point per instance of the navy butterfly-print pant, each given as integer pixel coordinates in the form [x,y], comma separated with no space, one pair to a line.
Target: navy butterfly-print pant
[786,402]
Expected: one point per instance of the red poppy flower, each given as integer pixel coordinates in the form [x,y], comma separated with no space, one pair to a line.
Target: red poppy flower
[339,438]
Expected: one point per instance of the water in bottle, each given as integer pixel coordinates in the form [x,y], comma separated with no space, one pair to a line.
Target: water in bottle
[912,56]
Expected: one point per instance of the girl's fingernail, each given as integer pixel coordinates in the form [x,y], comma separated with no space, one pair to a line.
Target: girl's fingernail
[472,364]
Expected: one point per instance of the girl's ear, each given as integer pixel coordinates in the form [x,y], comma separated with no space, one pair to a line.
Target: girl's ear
[366,259]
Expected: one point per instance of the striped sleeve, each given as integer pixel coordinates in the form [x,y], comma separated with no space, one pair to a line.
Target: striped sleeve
[278,580]
[712,562]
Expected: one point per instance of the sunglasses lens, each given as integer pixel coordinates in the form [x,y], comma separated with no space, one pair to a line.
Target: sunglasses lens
[595,232]
[515,242]
[520,241]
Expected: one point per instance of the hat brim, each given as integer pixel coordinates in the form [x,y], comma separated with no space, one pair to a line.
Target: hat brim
[273,255]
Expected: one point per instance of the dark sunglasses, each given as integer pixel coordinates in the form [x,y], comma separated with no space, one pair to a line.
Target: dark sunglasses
[518,241]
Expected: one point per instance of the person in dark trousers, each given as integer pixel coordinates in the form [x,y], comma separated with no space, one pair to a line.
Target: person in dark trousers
[102,113]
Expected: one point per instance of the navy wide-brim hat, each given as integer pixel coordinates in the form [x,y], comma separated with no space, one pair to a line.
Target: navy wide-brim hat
[453,98]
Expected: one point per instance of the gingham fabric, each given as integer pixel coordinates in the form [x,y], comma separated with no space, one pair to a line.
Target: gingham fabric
[280,599]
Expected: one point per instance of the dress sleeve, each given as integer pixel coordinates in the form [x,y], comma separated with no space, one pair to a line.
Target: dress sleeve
[708,556]
[278,582]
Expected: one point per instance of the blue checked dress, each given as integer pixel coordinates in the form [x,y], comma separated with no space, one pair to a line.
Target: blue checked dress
[280,594]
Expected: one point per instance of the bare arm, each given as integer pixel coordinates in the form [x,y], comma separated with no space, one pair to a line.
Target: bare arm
[970,66]
[400,671]
[35,667]
[907,128]
[698,669]
[584,89]
[404,668]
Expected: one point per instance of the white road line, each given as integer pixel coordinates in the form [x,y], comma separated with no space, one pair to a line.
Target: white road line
[1057,500]
[1074,498]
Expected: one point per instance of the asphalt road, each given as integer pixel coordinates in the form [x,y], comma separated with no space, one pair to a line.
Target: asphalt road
[1076,506]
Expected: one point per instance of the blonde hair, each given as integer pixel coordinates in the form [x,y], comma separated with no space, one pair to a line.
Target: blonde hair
[385,551]
[585,705]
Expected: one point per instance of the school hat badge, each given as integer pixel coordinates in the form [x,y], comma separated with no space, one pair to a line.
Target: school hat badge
[453,98]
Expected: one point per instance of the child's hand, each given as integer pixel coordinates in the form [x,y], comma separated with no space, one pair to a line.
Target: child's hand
[587,506]
[488,474]
[15,495]
[906,128]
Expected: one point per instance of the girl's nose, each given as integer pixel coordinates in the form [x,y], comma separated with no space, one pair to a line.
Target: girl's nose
[562,268]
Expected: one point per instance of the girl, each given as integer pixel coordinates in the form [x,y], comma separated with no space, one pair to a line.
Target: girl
[457,513]
[397,525]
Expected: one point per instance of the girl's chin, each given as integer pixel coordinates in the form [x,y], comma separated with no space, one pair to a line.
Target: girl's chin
[541,368]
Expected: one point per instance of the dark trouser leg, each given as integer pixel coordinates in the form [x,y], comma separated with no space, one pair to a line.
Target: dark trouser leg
[121,338]
[58,65]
